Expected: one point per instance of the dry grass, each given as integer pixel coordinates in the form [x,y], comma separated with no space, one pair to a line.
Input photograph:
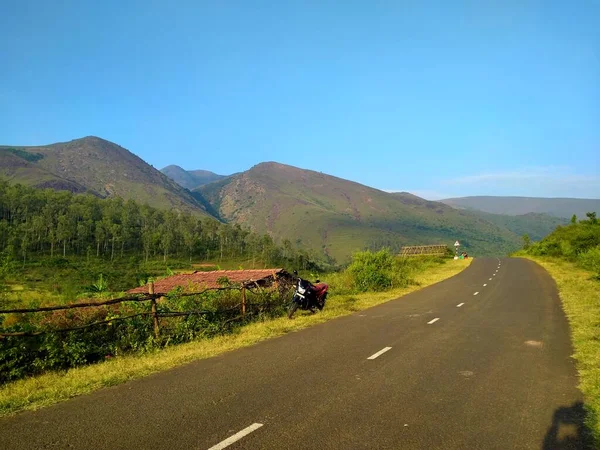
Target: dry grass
[580,296]
[44,390]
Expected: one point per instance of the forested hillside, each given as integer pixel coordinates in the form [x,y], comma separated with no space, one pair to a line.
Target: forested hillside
[36,222]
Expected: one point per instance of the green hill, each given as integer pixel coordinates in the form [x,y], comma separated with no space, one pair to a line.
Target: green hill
[96,166]
[339,216]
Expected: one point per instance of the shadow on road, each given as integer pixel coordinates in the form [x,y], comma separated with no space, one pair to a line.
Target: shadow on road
[568,430]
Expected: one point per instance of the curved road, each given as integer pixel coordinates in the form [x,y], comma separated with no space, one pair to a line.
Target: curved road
[479,361]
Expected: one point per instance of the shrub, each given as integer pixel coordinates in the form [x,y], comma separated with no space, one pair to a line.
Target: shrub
[371,271]
[590,260]
[569,241]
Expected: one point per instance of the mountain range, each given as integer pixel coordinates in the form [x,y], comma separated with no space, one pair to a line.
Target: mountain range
[311,209]
[513,206]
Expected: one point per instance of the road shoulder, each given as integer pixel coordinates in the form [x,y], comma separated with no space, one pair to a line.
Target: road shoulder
[580,297]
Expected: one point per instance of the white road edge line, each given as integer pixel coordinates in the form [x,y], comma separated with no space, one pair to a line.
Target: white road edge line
[459,305]
[433,321]
[380,352]
[476,293]
[236,437]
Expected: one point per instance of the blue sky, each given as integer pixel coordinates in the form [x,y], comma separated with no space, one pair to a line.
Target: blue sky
[437,98]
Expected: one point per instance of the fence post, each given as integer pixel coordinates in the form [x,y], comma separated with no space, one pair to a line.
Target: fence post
[243,301]
[154,310]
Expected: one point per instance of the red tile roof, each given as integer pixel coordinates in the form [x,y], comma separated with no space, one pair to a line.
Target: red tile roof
[199,281]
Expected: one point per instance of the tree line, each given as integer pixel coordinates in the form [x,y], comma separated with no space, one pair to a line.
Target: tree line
[36,222]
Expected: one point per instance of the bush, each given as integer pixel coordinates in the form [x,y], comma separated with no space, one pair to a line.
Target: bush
[371,271]
[569,241]
[379,271]
[590,260]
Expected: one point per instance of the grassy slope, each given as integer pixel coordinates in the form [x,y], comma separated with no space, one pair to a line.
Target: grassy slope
[105,169]
[580,296]
[51,388]
[340,216]
[47,281]
[18,170]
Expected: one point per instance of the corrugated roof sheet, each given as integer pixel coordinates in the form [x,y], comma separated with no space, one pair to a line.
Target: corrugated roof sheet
[199,281]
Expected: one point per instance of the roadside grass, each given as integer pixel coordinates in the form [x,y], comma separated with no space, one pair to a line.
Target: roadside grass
[580,296]
[49,281]
[44,390]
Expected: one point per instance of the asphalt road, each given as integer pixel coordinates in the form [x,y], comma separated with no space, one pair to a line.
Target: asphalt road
[492,373]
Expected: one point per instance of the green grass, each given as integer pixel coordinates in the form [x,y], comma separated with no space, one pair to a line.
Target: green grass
[44,390]
[49,281]
[580,295]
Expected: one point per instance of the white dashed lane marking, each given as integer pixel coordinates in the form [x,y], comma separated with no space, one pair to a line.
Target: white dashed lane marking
[433,321]
[236,437]
[459,305]
[379,353]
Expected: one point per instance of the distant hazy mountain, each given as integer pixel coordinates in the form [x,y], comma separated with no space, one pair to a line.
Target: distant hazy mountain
[190,179]
[513,206]
[535,225]
[338,216]
[98,166]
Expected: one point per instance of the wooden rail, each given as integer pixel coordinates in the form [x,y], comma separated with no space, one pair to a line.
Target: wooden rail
[154,311]
[424,250]
[137,298]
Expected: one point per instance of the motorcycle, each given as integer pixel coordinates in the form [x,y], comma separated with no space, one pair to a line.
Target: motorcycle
[308,296]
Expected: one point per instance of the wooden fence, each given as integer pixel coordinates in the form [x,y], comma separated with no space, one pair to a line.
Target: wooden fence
[153,313]
[424,250]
